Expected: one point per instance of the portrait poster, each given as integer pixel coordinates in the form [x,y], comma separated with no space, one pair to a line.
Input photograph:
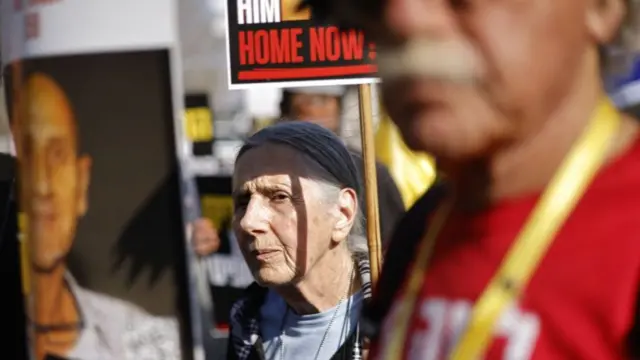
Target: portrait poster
[92,113]
[273,42]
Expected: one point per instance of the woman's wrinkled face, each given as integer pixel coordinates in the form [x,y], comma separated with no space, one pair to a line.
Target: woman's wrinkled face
[282,220]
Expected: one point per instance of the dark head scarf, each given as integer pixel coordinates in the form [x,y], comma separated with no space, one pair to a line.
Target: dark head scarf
[318,143]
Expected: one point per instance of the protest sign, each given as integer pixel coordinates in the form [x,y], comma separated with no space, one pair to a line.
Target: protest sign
[102,234]
[93,116]
[270,42]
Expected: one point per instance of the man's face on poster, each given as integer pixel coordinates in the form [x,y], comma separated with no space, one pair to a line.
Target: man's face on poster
[54,177]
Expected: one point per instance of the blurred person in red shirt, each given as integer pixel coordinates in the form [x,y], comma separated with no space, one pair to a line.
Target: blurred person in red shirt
[508,96]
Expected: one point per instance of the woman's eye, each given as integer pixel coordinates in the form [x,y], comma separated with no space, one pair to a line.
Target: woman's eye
[280,197]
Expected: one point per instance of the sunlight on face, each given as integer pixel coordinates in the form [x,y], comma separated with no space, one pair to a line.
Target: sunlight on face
[282,224]
[53,175]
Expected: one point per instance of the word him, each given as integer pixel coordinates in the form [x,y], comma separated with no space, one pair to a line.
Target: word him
[274,46]
[258,11]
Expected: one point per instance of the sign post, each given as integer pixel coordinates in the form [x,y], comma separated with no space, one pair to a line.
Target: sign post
[370,180]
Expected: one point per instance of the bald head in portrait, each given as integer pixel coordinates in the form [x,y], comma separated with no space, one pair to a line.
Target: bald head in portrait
[67,320]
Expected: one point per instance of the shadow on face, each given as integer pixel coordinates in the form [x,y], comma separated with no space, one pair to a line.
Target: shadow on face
[54,179]
[282,224]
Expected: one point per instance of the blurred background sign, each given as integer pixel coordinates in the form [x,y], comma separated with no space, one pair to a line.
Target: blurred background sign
[198,124]
[217,208]
[413,172]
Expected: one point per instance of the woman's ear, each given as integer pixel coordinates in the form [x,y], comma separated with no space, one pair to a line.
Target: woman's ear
[346,215]
[604,19]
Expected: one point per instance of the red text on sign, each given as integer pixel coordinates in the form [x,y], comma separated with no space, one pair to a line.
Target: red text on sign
[275,46]
[328,43]
[32,25]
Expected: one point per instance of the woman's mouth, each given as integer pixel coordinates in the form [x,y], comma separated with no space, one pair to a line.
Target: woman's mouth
[264,255]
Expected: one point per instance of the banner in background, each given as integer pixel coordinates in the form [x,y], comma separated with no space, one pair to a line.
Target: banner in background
[198,124]
[90,101]
[55,27]
[269,41]
[227,271]
[412,172]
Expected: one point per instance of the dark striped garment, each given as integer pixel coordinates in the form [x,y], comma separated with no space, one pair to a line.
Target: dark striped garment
[245,341]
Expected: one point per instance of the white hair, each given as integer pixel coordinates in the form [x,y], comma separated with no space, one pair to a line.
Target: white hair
[330,189]
[357,240]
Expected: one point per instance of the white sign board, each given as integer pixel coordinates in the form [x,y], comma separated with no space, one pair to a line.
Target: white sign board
[35,28]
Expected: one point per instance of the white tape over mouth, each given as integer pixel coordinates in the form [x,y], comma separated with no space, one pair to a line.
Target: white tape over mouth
[449,61]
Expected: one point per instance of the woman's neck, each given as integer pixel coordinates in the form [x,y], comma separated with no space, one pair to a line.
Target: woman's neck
[334,277]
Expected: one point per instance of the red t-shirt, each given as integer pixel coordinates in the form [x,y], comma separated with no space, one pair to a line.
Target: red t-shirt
[580,303]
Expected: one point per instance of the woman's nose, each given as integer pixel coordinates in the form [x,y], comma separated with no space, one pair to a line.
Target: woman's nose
[255,220]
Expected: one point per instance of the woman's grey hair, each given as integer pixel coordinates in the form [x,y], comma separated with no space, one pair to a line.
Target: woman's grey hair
[330,187]
[330,163]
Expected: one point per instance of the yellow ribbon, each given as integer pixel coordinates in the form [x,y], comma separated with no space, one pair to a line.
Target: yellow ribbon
[554,207]
[412,172]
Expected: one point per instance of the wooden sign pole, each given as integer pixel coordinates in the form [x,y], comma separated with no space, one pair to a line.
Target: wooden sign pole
[370,180]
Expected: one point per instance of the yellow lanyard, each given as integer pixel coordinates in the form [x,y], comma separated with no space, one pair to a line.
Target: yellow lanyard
[557,202]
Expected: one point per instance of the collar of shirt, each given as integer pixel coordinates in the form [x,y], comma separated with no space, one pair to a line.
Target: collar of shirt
[113,328]
[245,317]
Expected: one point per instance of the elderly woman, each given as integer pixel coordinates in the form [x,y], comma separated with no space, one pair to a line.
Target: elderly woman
[299,225]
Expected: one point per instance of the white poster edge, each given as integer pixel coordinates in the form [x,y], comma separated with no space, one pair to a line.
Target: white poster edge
[93,51]
[227,44]
[305,83]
